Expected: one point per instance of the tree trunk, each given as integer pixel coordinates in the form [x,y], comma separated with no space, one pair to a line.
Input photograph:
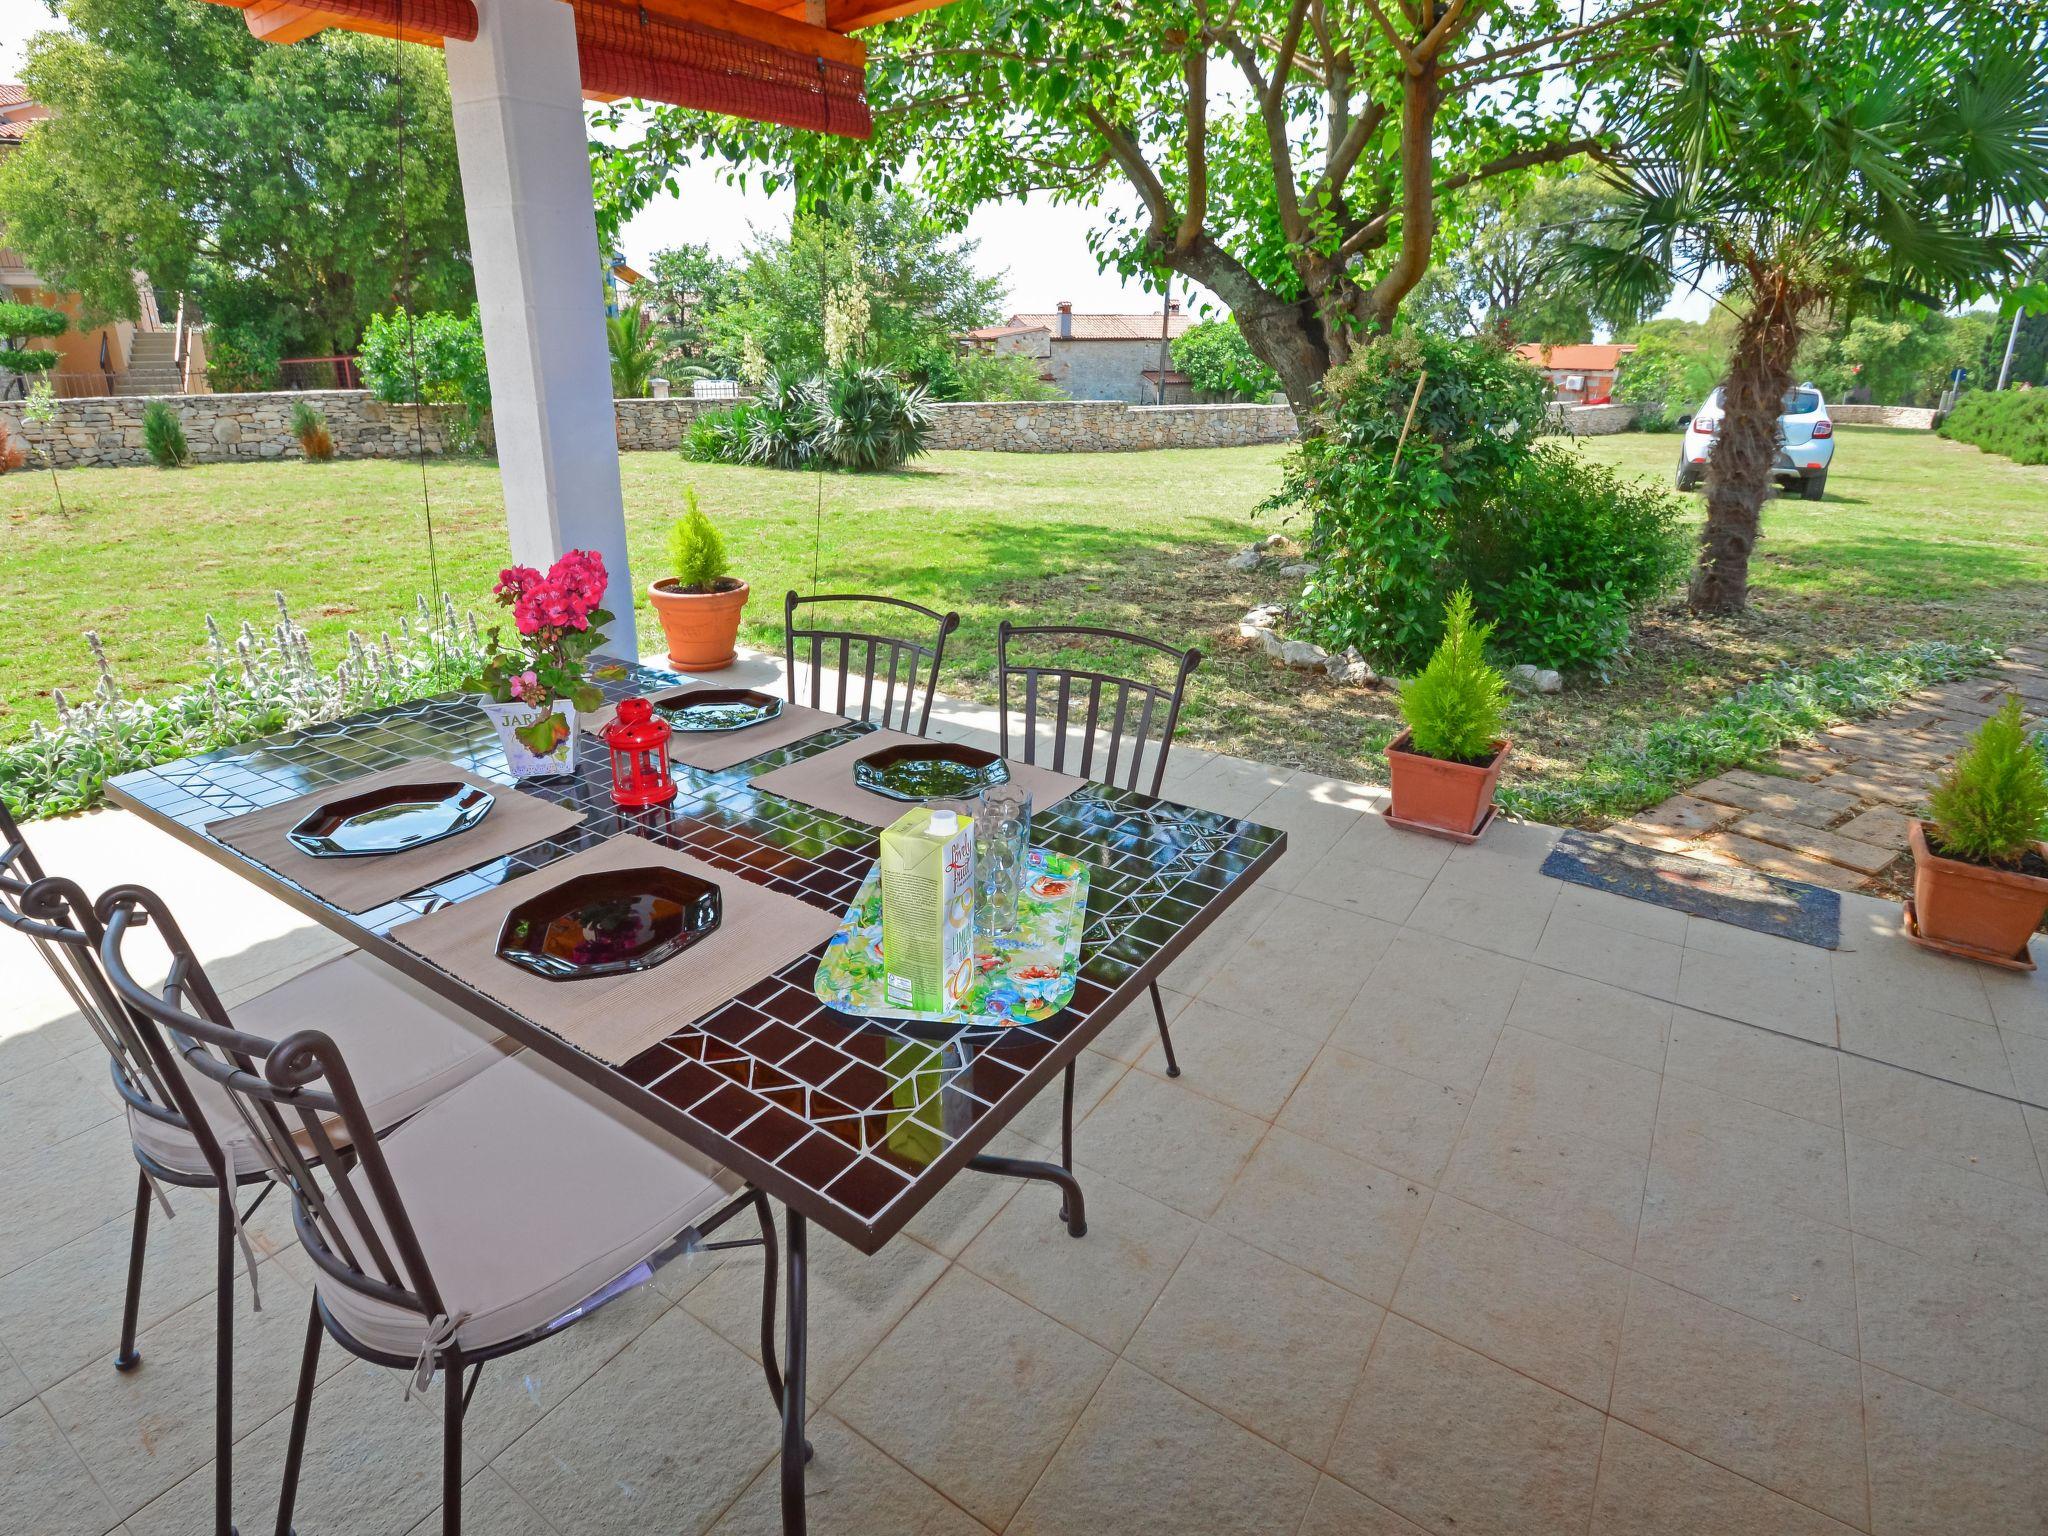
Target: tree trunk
[1286,335]
[1746,447]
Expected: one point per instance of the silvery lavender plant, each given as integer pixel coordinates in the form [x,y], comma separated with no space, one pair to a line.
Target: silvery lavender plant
[259,684]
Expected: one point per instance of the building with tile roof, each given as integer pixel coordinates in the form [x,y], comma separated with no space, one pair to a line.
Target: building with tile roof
[1093,356]
[1580,372]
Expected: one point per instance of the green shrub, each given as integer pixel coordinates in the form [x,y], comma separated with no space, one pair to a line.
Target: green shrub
[857,419]
[865,420]
[1567,555]
[1220,363]
[435,358]
[309,426]
[26,323]
[1383,534]
[1664,380]
[2013,422]
[950,374]
[1991,807]
[163,435]
[258,684]
[704,440]
[241,359]
[777,429]
[696,549]
[1455,706]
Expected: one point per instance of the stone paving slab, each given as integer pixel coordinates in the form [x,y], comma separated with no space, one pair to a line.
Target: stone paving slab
[1835,810]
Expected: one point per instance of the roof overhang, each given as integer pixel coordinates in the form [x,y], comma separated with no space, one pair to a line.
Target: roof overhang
[771,61]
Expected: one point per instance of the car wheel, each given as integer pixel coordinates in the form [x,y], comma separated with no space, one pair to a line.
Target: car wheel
[1815,486]
[1688,478]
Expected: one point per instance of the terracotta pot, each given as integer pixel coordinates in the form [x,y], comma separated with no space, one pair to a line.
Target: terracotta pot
[1973,909]
[701,626]
[1435,795]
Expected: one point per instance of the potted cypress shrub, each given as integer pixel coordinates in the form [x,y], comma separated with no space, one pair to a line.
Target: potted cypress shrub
[699,604]
[1445,765]
[1980,865]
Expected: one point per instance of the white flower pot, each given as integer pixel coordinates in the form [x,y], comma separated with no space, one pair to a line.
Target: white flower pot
[524,762]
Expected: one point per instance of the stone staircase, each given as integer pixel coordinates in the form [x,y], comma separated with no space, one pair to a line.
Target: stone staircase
[152,365]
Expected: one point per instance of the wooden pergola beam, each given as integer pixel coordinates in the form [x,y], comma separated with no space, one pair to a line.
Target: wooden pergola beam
[773,22]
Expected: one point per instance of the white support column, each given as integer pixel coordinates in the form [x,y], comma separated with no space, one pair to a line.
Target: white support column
[519,135]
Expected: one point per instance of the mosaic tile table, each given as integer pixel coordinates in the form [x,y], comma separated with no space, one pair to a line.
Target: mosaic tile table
[831,1115]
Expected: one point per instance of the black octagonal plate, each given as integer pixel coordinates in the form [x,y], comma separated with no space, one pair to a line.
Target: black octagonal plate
[929,770]
[609,923]
[718,709]
[390,820]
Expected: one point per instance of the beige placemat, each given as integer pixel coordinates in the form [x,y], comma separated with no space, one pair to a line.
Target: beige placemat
[515,820]
[617,1017]
[826,781]
[714,751]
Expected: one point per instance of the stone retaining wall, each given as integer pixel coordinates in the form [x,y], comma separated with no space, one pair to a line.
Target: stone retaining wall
[1917,416]
[1103,426]
[1592,420]
[107,431]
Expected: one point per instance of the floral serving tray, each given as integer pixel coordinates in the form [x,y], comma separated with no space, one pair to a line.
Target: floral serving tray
[1020,978]
[609,922]
[390,820]
[719,709]
[929,770]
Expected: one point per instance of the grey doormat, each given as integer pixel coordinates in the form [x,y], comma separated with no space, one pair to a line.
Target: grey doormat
[1727,893]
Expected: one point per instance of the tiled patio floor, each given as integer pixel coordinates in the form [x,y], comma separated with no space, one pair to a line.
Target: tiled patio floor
[1486,1204]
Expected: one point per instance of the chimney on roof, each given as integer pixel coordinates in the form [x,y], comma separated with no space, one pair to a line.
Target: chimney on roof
[1173,306]
[1066,307]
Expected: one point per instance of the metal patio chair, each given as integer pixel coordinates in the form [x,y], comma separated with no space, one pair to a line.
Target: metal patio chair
[916,659]
[1085,704]
[495,1217]
[57,918]
[412,1047]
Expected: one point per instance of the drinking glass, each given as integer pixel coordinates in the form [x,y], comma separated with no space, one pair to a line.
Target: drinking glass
[1002,841]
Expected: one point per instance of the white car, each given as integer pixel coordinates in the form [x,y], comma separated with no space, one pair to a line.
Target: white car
[1806,443]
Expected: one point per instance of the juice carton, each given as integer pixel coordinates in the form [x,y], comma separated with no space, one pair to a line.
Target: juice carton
[927,909]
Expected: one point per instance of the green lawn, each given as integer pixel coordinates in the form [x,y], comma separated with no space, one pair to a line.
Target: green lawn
[1919,539]
[146,553]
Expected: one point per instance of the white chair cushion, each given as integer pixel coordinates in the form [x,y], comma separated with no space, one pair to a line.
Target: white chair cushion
[404,1045]
[529,1191]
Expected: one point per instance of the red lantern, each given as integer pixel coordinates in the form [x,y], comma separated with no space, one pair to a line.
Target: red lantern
[638,739]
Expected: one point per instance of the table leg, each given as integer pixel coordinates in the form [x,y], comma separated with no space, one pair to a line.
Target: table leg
[1067,1129]
[797,1346]
[1073,1209]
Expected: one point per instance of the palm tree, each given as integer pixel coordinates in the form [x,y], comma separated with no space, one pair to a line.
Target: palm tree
[1871,156]
[630,337]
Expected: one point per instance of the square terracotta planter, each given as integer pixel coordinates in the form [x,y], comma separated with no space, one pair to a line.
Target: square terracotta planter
[1974,910]
[1453,800]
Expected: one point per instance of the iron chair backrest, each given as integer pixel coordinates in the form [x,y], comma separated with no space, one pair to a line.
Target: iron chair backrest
[1140,714]
[56,916]
[19,868]
[916,660]
[287,1093]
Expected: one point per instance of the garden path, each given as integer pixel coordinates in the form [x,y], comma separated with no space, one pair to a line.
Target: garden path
[1835,813]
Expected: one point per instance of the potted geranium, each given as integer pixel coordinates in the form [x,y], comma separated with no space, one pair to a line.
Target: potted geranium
[699,603]
[537,685]
[1980,865]
[1445,765]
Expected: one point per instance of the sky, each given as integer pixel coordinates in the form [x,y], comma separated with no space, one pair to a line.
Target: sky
[1042,249]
